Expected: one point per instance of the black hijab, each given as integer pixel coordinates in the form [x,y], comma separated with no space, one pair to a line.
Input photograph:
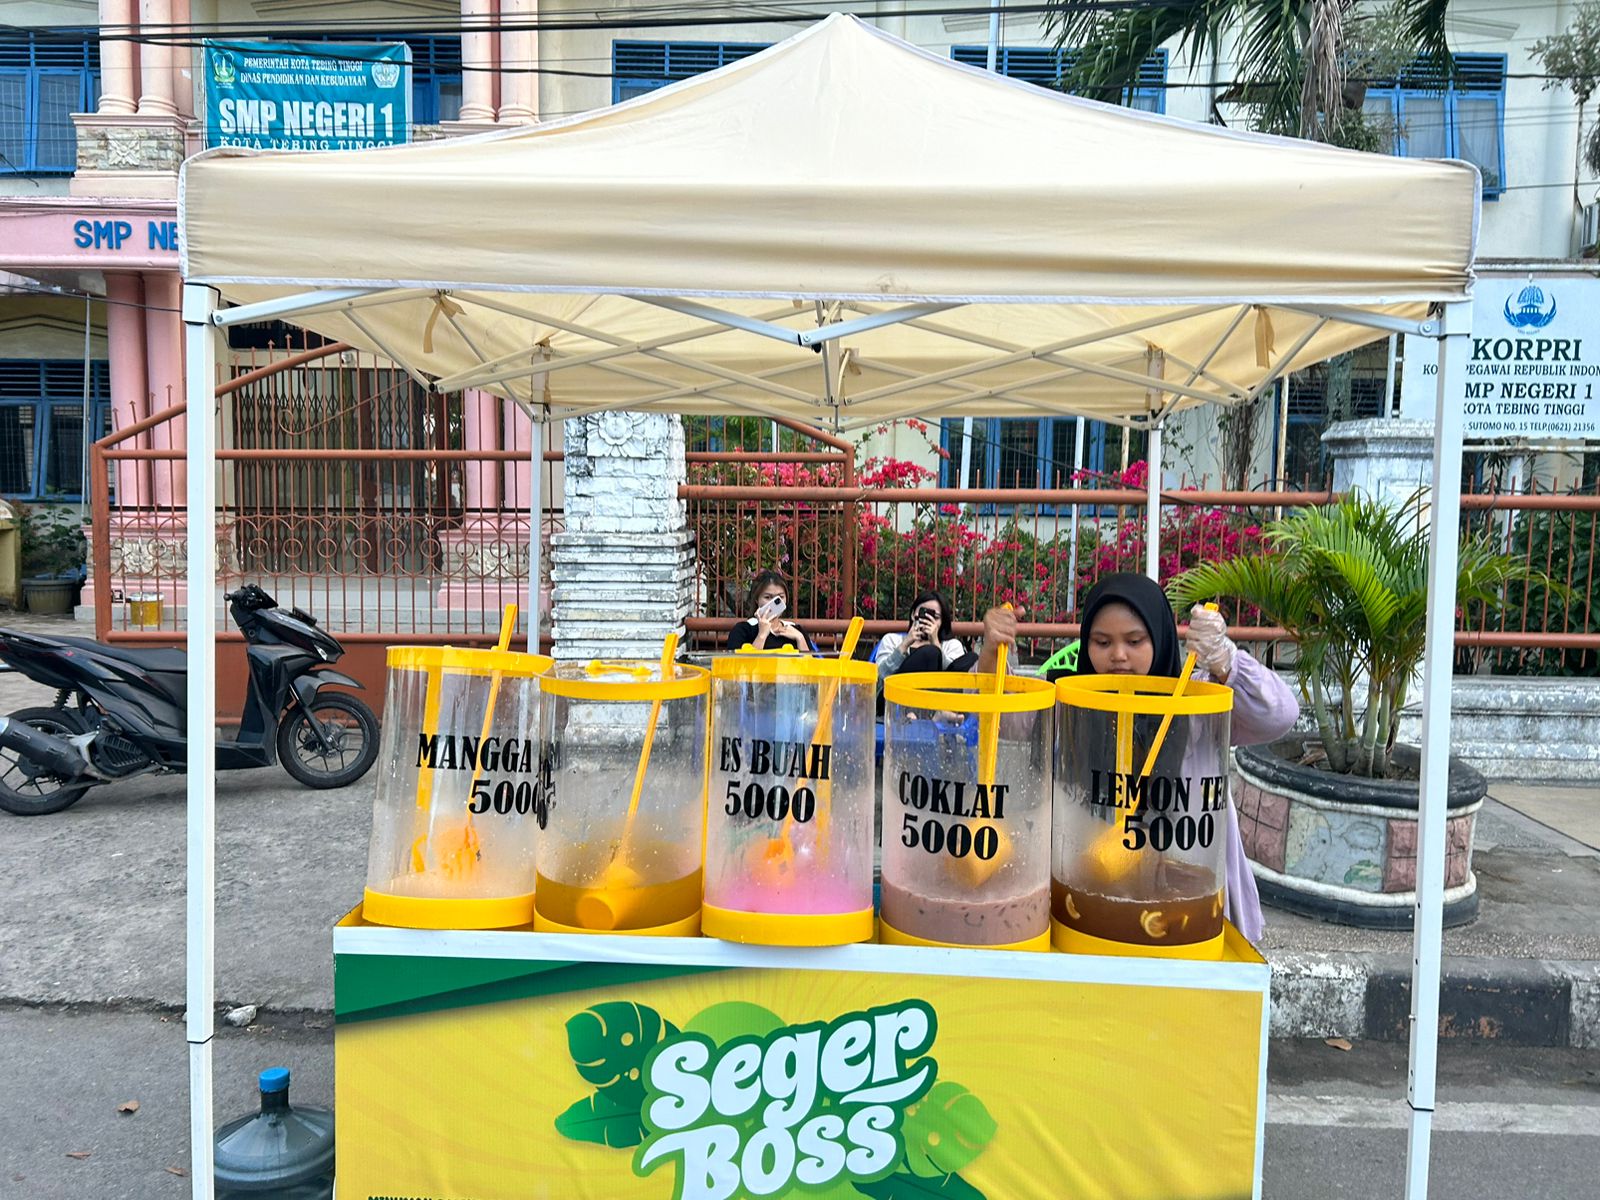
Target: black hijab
[1145,597]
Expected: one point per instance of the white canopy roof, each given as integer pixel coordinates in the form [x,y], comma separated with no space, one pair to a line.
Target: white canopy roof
[967,244]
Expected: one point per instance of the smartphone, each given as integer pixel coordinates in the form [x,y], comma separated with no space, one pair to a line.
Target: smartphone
[770,611]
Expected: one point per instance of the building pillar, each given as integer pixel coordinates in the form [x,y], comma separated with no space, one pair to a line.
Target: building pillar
[129,397]
[482,419]
[623,569]
[485,560]
[164,355]
[118,65]
[519,55]
[1387,459]
[155,59]
[183,58]
[477,61]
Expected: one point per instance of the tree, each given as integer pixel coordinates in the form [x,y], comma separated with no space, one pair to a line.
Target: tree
[1572,60]
[1300,69]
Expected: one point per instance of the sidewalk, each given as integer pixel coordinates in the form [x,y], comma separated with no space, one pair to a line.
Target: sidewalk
[1526,972]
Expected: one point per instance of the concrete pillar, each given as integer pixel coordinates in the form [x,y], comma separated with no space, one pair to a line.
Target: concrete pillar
[519,54]
[183,59]
[482,417]
[164,355]
[155,59]
[477,61]
[514,485]
[129,400]
[1387,459]
[623,570]
[118,66]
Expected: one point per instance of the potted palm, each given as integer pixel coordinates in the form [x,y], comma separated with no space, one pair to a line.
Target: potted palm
[1329,818]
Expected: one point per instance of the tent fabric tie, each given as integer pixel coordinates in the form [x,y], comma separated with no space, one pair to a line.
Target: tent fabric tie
[1265,343]
[442,304]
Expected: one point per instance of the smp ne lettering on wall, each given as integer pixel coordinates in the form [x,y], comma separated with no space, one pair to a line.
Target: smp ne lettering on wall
[1533,361]
[119,235]
[290,96]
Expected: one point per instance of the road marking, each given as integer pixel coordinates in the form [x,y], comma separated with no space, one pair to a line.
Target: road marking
[1354,1112]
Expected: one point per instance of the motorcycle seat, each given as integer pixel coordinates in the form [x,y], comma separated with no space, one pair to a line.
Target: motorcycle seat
[148,658]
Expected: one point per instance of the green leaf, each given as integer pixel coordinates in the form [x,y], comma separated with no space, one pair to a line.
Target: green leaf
[903,1185]
[600,1119]
[608,1042]
[733,1018]
[946,1130]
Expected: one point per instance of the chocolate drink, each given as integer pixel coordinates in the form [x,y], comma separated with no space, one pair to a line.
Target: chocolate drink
[964,921]
[1183,907]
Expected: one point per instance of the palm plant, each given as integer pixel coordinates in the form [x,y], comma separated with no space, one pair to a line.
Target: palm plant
[1294,59]
[1349,582]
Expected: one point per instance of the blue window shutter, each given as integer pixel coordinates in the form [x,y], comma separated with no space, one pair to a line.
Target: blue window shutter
[640,67]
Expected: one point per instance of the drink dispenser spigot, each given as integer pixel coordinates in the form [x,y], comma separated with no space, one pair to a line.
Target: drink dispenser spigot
[626,743]
[966,830]
[790,808]
[460,794]
[1141,816]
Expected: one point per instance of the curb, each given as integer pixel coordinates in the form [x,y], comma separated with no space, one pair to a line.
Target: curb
[1367,997]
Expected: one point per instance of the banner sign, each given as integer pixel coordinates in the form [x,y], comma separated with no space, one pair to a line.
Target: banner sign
[307,96]
[694,1070]
[1533,361]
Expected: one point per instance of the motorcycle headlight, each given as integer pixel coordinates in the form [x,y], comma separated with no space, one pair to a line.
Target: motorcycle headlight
[324,655]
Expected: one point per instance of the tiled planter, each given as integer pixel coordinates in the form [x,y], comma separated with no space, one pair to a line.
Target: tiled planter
[1345,849]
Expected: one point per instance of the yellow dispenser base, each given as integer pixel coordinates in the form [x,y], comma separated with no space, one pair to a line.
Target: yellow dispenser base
[412,912]
[890,936]
[787,929]
[1071,941]
[688,927]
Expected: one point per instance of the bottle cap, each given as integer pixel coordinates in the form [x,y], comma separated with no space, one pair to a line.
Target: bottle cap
[275,1079]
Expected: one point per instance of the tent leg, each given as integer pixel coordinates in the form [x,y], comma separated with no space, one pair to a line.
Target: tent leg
[1072,551]
[535,531]
[1444,540]
[201,383]
[1152,526]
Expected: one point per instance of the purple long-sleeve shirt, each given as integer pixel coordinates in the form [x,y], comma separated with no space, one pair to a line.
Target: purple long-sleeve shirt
[1264,709]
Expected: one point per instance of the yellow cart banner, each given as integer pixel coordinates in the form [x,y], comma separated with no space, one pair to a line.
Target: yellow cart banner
[509,1078]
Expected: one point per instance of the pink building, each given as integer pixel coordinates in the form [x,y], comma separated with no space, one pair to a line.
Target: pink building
[94,126]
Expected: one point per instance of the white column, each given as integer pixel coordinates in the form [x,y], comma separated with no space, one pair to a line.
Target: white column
[118,84]
[1444,539]
[477,61]
[519,54]
[201,784]
[155,59]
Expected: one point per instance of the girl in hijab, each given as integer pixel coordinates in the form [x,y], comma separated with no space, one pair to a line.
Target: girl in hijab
[1128,629]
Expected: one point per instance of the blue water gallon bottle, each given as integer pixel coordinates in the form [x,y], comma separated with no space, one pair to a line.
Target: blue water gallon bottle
[280,1151]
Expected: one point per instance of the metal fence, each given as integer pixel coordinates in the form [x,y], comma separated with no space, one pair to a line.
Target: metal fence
[1040,549]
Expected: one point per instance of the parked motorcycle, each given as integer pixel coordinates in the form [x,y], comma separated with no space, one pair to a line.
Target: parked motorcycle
[120,712]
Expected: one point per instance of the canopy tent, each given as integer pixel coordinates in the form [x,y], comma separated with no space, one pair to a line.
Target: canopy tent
[841,229]
[930,218]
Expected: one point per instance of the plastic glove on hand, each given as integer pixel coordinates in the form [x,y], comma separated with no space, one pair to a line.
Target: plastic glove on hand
[1210,644]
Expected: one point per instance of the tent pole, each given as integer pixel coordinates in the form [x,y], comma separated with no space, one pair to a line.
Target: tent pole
[1072,551]
[1444,540]
[1152,517]
[535,529]
[199,303]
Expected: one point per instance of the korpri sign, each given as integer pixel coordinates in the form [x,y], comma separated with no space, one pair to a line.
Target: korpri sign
[1533,361]
[293,96]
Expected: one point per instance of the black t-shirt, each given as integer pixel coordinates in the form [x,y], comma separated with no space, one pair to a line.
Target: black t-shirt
[744,634]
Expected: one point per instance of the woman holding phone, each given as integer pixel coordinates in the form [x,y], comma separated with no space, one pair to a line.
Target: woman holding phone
[766,628]
[926,645]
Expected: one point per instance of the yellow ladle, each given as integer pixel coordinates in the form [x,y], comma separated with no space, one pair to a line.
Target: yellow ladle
[1110,855]
[779,855]
[615,902]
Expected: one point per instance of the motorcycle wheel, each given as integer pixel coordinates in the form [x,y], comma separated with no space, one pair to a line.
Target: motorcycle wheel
[36,795]
[348,724]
